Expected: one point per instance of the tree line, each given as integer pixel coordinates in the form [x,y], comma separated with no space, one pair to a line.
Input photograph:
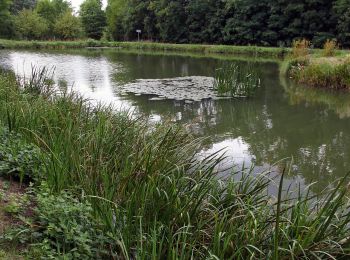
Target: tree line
[51,19]
[239,22]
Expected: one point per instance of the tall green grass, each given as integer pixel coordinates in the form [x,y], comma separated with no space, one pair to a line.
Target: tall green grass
[153,196]
[236,81]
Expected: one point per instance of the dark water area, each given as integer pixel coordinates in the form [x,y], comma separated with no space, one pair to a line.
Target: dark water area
[281,121]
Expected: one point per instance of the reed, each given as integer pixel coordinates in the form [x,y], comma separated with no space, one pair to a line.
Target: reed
[236,81]
[151,195]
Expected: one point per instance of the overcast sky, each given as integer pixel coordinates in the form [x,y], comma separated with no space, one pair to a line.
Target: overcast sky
[77,3]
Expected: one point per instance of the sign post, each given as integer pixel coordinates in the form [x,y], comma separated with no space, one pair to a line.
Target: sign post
[138,34]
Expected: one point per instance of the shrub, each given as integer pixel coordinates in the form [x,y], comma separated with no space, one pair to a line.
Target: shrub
[329,48]
[17,158]
[300,48]
[62,227]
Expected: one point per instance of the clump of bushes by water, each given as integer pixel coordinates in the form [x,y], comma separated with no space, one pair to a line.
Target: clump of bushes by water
[151,197]
[236,81]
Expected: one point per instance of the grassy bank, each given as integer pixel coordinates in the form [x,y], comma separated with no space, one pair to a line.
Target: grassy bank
[328,73]
[111,186]
[264,52]
[328,68]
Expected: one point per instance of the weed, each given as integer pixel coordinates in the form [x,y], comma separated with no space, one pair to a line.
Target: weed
[300,48]
[19,159]
[329,48]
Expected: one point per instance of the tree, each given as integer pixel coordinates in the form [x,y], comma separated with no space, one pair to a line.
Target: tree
[258,22]
[93,18]
[205,20]
[247,23]
[341,11]
[68,27]
[51,10]
[6,22]
[171,19]
[19,5]
[30,25]
[115,13]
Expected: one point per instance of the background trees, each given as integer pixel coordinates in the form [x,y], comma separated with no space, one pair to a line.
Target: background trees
[93,18]
[30,25]
[239,22]
[6,23]
[68,27]
[261,22]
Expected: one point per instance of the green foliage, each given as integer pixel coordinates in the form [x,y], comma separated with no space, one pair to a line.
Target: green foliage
[6,22]
[93,18]
[30,25]
[239,22]
[68,27]
[19,159]
[19,5]
[65,228]
[51,11]
[151,197]
[60,226]
[236,81]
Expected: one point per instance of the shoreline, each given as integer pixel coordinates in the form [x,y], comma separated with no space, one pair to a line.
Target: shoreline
[263,52]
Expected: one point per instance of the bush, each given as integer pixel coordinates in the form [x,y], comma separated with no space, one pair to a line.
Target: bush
[62,227]
[19,159]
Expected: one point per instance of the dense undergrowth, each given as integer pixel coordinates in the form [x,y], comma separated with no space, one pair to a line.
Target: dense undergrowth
[112,186]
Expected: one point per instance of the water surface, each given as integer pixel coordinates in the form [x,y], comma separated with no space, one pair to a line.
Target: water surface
[282,121]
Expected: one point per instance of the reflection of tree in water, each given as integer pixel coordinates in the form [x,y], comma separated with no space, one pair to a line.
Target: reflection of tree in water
[274,129]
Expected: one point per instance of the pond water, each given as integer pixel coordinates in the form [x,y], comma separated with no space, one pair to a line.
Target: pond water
[282,120]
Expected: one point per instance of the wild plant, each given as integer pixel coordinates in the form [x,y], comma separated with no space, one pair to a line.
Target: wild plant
[329,48]
[236,81]
[300,48]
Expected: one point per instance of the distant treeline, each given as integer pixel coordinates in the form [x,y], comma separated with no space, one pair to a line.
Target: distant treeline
[239,22]
[51,19]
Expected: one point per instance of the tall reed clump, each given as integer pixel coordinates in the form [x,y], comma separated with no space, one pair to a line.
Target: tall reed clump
[151,196]
[236,81]
[329,48]
[300,48]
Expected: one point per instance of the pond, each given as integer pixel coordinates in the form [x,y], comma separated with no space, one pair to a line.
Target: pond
[281,121]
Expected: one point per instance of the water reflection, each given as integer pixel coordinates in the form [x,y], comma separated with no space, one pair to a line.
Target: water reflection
[283,120]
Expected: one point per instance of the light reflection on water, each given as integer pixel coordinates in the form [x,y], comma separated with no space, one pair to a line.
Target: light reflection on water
[282,121]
